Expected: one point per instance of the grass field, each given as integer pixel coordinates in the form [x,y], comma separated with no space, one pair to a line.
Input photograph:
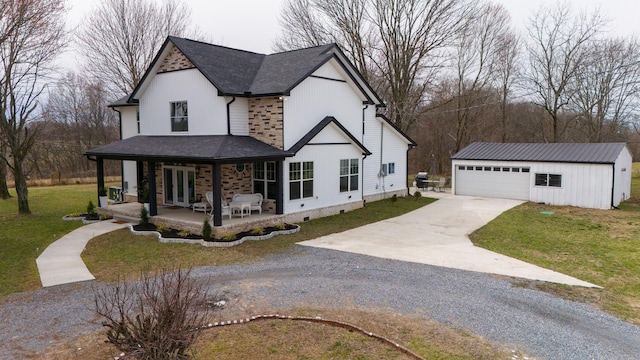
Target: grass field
[599,246]
[24,237]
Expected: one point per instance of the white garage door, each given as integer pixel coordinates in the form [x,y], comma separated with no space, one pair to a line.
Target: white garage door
[505,182]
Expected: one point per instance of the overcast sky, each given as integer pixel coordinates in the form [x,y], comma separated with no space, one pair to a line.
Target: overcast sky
[253,24]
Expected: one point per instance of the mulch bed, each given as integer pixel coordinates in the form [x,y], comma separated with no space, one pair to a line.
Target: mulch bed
[173,233]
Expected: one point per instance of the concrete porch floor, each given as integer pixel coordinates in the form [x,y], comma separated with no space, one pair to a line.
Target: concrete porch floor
[185,219]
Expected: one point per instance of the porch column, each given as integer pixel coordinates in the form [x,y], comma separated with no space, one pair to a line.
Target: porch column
[279,188]
[139,176]
[217,194]
[100,175]
[153,202]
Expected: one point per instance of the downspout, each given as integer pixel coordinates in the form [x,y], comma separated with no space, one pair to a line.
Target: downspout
[384,190]
[229,115]
[364,157]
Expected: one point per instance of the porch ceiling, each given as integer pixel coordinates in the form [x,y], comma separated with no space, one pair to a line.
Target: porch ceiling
[189,148]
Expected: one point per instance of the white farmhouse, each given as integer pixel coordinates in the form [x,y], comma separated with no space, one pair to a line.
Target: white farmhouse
[299,127]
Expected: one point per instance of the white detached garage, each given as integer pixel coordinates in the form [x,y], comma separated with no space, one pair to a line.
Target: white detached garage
[584,175]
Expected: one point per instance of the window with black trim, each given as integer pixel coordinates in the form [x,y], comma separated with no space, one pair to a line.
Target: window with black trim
[349,170]
[179,116]
[300,180]
[550,180]
[392,168]
[264,179]
[138,119]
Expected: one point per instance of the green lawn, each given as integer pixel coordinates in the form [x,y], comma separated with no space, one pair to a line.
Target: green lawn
[599,246]
[121,253]
[24,237]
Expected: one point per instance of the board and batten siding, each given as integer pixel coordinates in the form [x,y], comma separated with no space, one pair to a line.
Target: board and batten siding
[207,110]
[325,151]
[239,115]
[583,185]
[387,147]
[316,98]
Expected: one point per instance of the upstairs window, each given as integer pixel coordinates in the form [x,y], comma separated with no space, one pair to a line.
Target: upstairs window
[179,116]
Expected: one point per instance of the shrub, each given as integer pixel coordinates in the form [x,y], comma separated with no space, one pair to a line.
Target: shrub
[144,216]
[394,199]
[162,228]
[258,230]
[158,318]
[91,209]
[102,191]
[281,226]
[417,195]
[206,229]
[184,233]
[230,237]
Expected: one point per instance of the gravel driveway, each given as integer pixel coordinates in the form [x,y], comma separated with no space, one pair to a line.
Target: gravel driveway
[537,323]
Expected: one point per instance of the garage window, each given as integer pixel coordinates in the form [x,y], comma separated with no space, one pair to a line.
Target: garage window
[478,168]
[506,169]
[496,169]
[551,180]
[461,167]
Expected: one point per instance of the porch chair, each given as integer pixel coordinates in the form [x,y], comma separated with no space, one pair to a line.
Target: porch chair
[225,209]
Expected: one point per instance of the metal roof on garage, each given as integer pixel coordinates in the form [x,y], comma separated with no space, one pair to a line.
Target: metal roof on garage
[594,153]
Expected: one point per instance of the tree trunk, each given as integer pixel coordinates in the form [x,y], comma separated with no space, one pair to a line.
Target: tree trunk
[21,189]
[4,190]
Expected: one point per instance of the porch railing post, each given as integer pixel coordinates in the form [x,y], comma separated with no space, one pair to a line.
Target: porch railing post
[279,188]
[153,202]
[217,194]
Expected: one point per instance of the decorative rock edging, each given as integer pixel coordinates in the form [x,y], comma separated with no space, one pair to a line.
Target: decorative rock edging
[84,221]
[215,243]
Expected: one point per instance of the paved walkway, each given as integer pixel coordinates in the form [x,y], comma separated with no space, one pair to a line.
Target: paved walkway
[437,234]
[60,262]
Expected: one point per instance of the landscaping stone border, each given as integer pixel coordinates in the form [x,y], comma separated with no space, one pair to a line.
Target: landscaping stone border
[215,243]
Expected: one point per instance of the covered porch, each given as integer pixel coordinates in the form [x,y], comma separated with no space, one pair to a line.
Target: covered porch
[194,165]
[185,219]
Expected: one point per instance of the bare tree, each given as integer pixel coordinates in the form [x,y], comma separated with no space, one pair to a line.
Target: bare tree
[76,119]
[396,45]
[120,38]
[507,73]
[558,43]
[607,88]
[34,36]
[475,61]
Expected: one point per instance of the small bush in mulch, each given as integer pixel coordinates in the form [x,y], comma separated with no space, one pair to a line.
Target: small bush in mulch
[173,233]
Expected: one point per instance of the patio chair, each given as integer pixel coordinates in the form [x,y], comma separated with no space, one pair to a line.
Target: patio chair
[209,196]
[442,182]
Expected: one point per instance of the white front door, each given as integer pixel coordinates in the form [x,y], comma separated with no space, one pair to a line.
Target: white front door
[179,185]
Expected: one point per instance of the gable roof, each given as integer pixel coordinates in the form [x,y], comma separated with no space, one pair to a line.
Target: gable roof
[596,153]
[198,148]
[319,127]
[243,73]
[397,130]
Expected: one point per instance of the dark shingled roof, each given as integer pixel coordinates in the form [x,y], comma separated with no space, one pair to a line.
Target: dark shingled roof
[203,148]
[239,72]
[597,153]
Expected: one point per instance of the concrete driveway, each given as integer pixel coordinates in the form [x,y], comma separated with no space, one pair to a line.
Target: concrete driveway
[437,234]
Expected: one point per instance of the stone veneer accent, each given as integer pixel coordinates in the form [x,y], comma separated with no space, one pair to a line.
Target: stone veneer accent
[175,60]
[266,120]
